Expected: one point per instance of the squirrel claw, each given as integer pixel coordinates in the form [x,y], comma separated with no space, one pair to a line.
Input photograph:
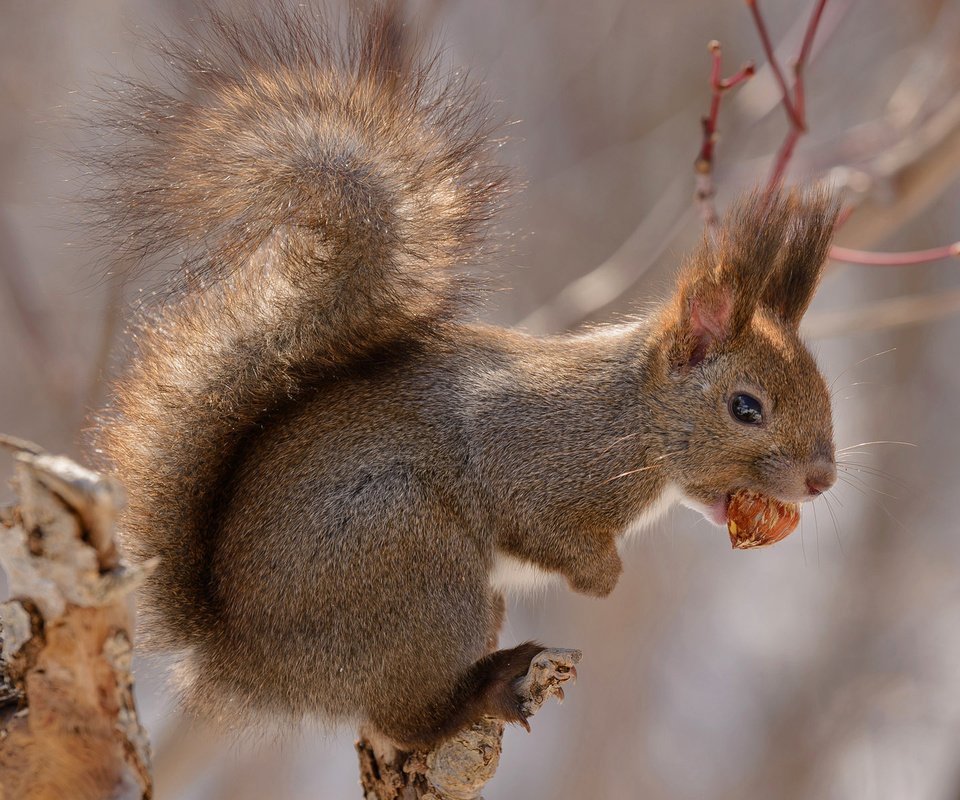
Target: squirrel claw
[548,670]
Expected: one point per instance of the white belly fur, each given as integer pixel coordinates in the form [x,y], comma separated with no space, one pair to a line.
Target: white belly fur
[510,575]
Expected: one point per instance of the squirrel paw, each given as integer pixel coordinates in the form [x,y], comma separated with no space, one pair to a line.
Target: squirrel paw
[516,682]
[549,670]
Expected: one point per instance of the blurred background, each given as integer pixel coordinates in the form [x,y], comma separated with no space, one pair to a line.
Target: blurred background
[826,667]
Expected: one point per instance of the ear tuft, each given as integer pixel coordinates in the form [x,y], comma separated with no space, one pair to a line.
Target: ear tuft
[721,286]
[812,218]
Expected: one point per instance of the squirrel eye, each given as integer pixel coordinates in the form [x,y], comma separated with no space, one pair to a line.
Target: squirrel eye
[747,409]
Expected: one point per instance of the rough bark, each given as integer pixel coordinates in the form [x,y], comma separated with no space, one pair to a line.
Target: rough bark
[458,768]
[68,723]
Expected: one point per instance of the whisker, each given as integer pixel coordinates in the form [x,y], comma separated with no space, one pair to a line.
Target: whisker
[816,527]
[600,453]
[886,511]
[619,440]
[836,527]
[630,472]
[844,459]
[858,363]
[656,463]
[803,544]
[872,488]
[854,452]
[882,441]
[854,486]
[834,392]
[865,487]
[844,462]
[853,471]
[873,472]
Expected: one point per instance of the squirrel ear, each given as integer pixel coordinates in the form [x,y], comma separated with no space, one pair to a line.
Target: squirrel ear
[812,217]
[706,315]
[724,282]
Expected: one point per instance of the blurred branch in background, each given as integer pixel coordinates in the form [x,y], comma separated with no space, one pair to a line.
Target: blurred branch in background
[883,315]
[32,319]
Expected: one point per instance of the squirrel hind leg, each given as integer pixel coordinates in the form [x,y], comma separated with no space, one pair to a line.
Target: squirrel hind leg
[488,687]
[498,610]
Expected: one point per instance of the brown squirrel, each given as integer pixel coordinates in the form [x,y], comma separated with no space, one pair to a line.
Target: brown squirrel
[339,471]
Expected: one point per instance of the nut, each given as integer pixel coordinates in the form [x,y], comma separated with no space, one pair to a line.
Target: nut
[757,520]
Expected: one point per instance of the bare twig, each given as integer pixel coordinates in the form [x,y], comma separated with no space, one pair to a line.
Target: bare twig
[763,95]
[705,190]
[784,154]
[794,101]
[774,63]
[615,277]
[907,178]
[799,98]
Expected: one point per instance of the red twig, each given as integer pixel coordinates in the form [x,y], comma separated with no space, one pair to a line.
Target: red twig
[799,98]
[794,104]
[794,100]
[811,32]
[761,26]
[704,163]
[895,259]
[784,154]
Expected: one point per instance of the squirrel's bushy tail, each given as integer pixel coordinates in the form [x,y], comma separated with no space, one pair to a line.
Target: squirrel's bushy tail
[320,190]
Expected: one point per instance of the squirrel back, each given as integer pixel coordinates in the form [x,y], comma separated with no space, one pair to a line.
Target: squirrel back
[320,192]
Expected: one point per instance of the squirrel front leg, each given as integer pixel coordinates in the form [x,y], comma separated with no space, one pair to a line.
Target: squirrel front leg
[588,561]
[597,570]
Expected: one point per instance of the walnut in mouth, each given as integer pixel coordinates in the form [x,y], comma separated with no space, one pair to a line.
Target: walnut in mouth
[758,520]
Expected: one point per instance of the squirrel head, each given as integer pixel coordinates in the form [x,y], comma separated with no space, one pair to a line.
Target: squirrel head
[749,408]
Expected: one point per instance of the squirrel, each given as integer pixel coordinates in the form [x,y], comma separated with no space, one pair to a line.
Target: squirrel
[337,469]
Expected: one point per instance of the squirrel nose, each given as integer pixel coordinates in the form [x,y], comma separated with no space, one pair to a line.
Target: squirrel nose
[821,477]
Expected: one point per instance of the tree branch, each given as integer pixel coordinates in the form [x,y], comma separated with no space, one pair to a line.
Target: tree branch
[774,62]
[794,103]
[68,723]
[705,190]
[460,767]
